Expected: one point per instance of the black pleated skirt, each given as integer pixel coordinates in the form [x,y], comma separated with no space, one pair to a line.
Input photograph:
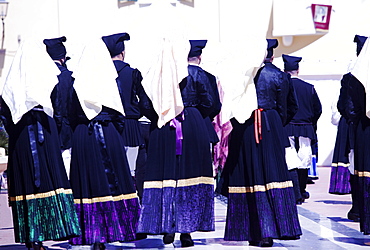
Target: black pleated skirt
[340,175]
[362,172]
[131,133]
[304,130]
[39,191]
[105,197]
[261,197]
[178,189]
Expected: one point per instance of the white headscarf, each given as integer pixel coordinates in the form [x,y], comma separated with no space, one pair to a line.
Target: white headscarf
[95,79]
[30,80]
[361,71]
[163,45]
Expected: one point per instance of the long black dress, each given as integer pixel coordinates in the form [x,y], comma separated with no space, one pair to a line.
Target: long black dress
[261,202]
[355,110]
[106,201]
[39,191]
[178,189]
[340,174]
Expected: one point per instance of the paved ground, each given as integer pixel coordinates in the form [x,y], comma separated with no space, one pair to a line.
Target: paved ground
[323,219]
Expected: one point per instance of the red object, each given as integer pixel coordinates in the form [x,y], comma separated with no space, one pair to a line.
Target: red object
[258,125]
[321,16]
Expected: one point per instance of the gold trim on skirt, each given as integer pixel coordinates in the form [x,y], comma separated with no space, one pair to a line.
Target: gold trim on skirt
[41,195]
[261,188]
[346,165]
[179,183]
[362,173]
[106,198]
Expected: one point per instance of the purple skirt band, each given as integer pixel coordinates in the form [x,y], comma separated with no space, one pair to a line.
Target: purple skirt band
[177,210]
[253,216]
[108,221]
[339,180]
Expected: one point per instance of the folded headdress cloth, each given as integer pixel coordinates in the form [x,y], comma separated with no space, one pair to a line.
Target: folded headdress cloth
[30,80]
[361,70]
[95,79]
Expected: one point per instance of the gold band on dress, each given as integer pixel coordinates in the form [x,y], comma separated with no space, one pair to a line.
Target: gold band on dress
[179,183]
[261,188]
[346,165]
[41,195]
[105,199]
[362,173]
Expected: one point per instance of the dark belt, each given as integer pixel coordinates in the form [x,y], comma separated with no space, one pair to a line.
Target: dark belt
[35,130]
[99,135]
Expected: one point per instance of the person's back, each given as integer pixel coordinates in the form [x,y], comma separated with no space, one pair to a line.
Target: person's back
[309,109]
[301,129]
[179,153]
[274,91]
[355,98]
[104,192]
[257,161]
[35,165]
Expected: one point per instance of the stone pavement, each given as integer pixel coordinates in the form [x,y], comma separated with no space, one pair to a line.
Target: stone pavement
[323,220]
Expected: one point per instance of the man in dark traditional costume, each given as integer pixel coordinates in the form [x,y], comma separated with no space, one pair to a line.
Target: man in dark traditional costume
[134,100]
[301,129]
[61,97]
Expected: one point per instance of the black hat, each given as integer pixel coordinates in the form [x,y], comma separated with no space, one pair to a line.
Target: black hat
[291,62]
[55,47]
[271,45]
[360,40]
[115,43]
[196,47]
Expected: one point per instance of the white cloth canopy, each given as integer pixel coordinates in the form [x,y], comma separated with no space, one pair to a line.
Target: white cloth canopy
[292,18]
[30,80]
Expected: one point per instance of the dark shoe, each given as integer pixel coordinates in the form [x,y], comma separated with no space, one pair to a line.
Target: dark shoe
[290,238]
[168,238]
[140,236]
[265,242]
[254,243]
[354,217]
[305,195]
[35,246]
[310,181]
[186,240]
[299,201]
[98,246]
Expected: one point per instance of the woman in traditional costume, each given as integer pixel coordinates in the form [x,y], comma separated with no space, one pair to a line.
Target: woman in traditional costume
[178,189]
[39,191]
[105,197]
[261,200]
